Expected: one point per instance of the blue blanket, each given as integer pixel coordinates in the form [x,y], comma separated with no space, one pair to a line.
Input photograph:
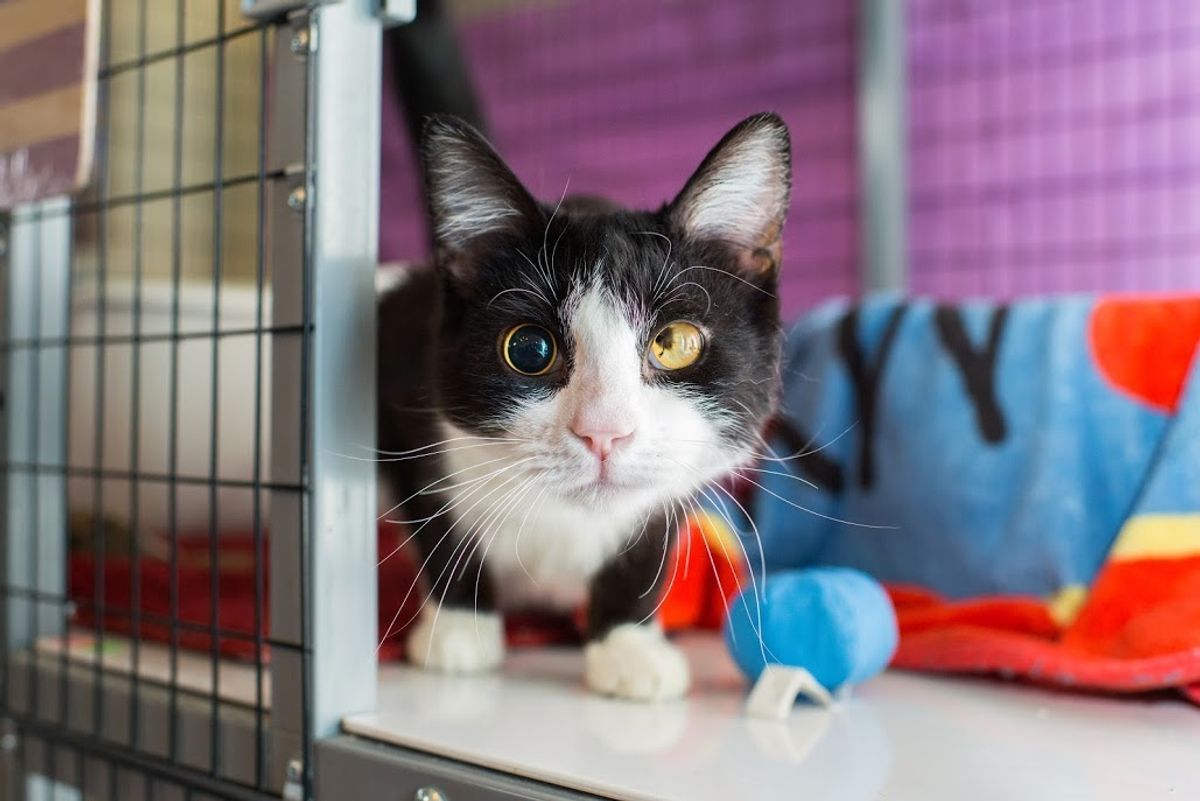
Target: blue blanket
[972,450]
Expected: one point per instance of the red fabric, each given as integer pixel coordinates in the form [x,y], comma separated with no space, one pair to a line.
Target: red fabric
[968,649]
[235,588]
[696,603]
[1139,630]
[702,581]
[924,611]
[1141,607]
[1144,346]
[235,605]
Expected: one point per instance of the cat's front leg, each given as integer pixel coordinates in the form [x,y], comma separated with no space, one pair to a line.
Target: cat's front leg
[457,640]
[627,655]
[459,629]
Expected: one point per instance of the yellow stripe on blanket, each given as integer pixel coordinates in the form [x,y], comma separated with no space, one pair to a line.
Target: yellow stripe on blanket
[1066,604]
[1158,537]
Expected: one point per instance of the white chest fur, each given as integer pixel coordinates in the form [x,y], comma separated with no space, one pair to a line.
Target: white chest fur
[545,553]
[539,549]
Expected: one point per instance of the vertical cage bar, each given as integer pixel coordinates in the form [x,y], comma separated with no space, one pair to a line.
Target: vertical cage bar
[343,220]
[34,409]
[31,422]
[99,533]
[6,596]
[882,145]
[173,396]
[67,609]
[335,369]
[260,265]
[286,154]
[135,395]
[214,560]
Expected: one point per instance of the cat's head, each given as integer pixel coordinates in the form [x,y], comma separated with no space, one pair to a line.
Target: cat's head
[617,358]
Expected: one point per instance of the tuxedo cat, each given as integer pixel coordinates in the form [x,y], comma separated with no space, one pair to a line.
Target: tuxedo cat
[557,393]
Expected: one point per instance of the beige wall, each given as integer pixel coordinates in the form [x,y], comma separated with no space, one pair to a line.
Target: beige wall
[240,128]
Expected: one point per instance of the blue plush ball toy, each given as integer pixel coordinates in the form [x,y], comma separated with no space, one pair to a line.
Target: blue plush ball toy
[836,622]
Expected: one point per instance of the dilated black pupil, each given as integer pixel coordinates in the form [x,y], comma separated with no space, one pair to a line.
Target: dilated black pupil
[530,350]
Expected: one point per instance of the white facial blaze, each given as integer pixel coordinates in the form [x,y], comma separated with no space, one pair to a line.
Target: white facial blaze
[606,382]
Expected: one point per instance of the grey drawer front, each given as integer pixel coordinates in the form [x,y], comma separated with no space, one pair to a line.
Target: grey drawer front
[352,768]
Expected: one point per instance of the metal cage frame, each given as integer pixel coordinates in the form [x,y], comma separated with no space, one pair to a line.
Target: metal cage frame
[316,202]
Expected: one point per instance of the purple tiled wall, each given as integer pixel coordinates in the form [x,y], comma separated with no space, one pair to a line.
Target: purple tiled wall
[624,98]
[1054,146]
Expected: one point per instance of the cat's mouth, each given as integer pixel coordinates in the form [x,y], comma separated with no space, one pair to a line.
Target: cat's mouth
[607,482]
[604,488]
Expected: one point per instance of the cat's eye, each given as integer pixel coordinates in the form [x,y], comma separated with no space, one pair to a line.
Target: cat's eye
[676,345]
[529,349]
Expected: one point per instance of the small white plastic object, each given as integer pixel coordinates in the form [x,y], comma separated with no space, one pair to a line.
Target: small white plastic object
[777,689]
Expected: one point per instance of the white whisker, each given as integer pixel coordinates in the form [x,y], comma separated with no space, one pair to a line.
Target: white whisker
[425,490]
[426,447]
[671,297]
[503,292]
[433,588]
[814,513]
[803,453]
[725,272]
[779,473]
[662,561]
[677,521]
[393,459]
[517,543]
[446,508]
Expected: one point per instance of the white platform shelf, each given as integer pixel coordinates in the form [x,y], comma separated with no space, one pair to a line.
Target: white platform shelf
[902,737]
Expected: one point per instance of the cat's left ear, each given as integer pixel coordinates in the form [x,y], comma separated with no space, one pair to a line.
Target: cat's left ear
[739,194]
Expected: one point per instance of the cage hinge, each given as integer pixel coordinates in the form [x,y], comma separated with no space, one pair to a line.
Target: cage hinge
[293,781]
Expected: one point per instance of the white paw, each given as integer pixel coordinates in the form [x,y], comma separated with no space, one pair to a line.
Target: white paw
[457,641]
[636,662]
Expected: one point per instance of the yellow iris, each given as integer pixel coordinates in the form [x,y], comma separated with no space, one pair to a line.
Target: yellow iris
[676,345]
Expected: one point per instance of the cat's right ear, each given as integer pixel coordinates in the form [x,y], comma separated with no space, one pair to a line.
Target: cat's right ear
[739,194]
[473,195]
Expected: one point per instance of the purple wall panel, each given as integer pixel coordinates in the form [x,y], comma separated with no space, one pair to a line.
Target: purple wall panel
[624,97]
[1054,146]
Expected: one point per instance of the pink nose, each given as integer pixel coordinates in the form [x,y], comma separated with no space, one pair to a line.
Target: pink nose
[602,442]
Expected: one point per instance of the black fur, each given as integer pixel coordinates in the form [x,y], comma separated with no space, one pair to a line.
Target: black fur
[438,334]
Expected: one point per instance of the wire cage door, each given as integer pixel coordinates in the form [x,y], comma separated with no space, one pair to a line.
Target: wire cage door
[186,356]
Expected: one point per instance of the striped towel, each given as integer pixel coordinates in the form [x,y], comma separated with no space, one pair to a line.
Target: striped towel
[48,67]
